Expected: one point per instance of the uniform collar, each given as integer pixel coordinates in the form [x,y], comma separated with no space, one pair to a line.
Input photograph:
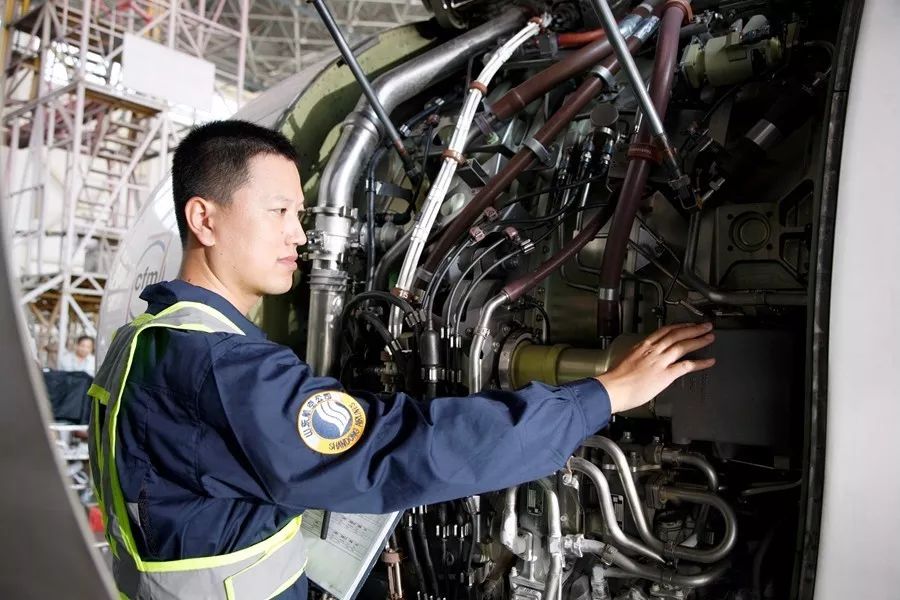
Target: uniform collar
[162,295]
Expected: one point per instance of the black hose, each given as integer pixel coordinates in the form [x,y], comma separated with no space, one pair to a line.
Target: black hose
[448,306]
[389,259]
[429,565]
[414,555]
[370,216]
[400,303]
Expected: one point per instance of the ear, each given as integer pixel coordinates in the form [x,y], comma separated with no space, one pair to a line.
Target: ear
[200,216]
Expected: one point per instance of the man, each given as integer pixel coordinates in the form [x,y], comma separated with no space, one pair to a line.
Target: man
[80,360]
[210,441]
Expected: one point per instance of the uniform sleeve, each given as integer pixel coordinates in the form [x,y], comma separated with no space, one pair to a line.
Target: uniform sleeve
[409,452]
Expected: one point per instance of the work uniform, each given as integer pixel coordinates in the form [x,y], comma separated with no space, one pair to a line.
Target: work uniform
[221,439]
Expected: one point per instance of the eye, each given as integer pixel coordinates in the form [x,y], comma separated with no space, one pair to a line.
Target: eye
[280,211]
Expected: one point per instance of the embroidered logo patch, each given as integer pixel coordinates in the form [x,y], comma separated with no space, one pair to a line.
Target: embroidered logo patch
[331,422]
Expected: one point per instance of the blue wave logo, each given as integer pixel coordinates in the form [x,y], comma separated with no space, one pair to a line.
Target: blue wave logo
[331,420]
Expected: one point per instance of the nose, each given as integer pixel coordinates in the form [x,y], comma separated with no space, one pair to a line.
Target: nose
[296,235]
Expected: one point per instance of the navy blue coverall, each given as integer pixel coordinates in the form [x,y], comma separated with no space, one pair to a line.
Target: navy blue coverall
[212,455]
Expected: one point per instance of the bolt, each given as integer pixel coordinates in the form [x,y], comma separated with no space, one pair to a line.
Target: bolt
[495,346]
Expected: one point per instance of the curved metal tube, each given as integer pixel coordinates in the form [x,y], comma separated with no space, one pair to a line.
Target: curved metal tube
[617,536]
[729,538]
[482,331]
[553,583]
[630,568]
[359,137]
[640,520]
[694,459]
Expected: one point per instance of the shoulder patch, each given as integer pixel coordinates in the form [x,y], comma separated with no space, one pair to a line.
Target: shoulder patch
[331,422]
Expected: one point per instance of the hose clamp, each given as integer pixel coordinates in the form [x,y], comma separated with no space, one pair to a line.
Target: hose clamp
[601,72]
[607,294]
[540,151]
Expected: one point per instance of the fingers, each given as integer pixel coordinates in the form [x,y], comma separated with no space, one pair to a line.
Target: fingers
[682,348]
[687,332]
[690,366]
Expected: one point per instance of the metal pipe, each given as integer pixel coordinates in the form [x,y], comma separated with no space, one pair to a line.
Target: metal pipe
[630,568]
[640,520]
[526,156]
[616,535]
[553,583]
[509,524]
[350,59]
[481,334]
[329,240]
[729,538]
[694,459]
[638,168]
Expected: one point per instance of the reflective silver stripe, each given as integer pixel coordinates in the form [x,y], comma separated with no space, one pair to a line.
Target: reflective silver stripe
[256,572]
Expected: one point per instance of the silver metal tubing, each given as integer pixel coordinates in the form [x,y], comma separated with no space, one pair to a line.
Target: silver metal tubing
[509,524]
[630,568]
[361,132]
[482,332]
[553,584]
[694,459]
[640,520]
[729,538]
[618,537]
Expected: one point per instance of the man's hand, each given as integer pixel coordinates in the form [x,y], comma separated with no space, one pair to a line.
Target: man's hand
[651,366]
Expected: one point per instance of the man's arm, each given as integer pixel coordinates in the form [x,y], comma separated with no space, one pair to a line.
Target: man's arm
[282,435]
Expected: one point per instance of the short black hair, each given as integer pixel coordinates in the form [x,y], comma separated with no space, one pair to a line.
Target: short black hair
[84,337]
[213,160]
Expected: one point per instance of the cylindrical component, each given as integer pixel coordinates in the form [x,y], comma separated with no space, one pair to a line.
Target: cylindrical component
[608,511]
[560,363]
[637,173]
[727,59]
[430,354]
[525,157]
[329,241]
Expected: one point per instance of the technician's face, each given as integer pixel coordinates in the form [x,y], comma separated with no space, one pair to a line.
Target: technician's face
[260,229]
